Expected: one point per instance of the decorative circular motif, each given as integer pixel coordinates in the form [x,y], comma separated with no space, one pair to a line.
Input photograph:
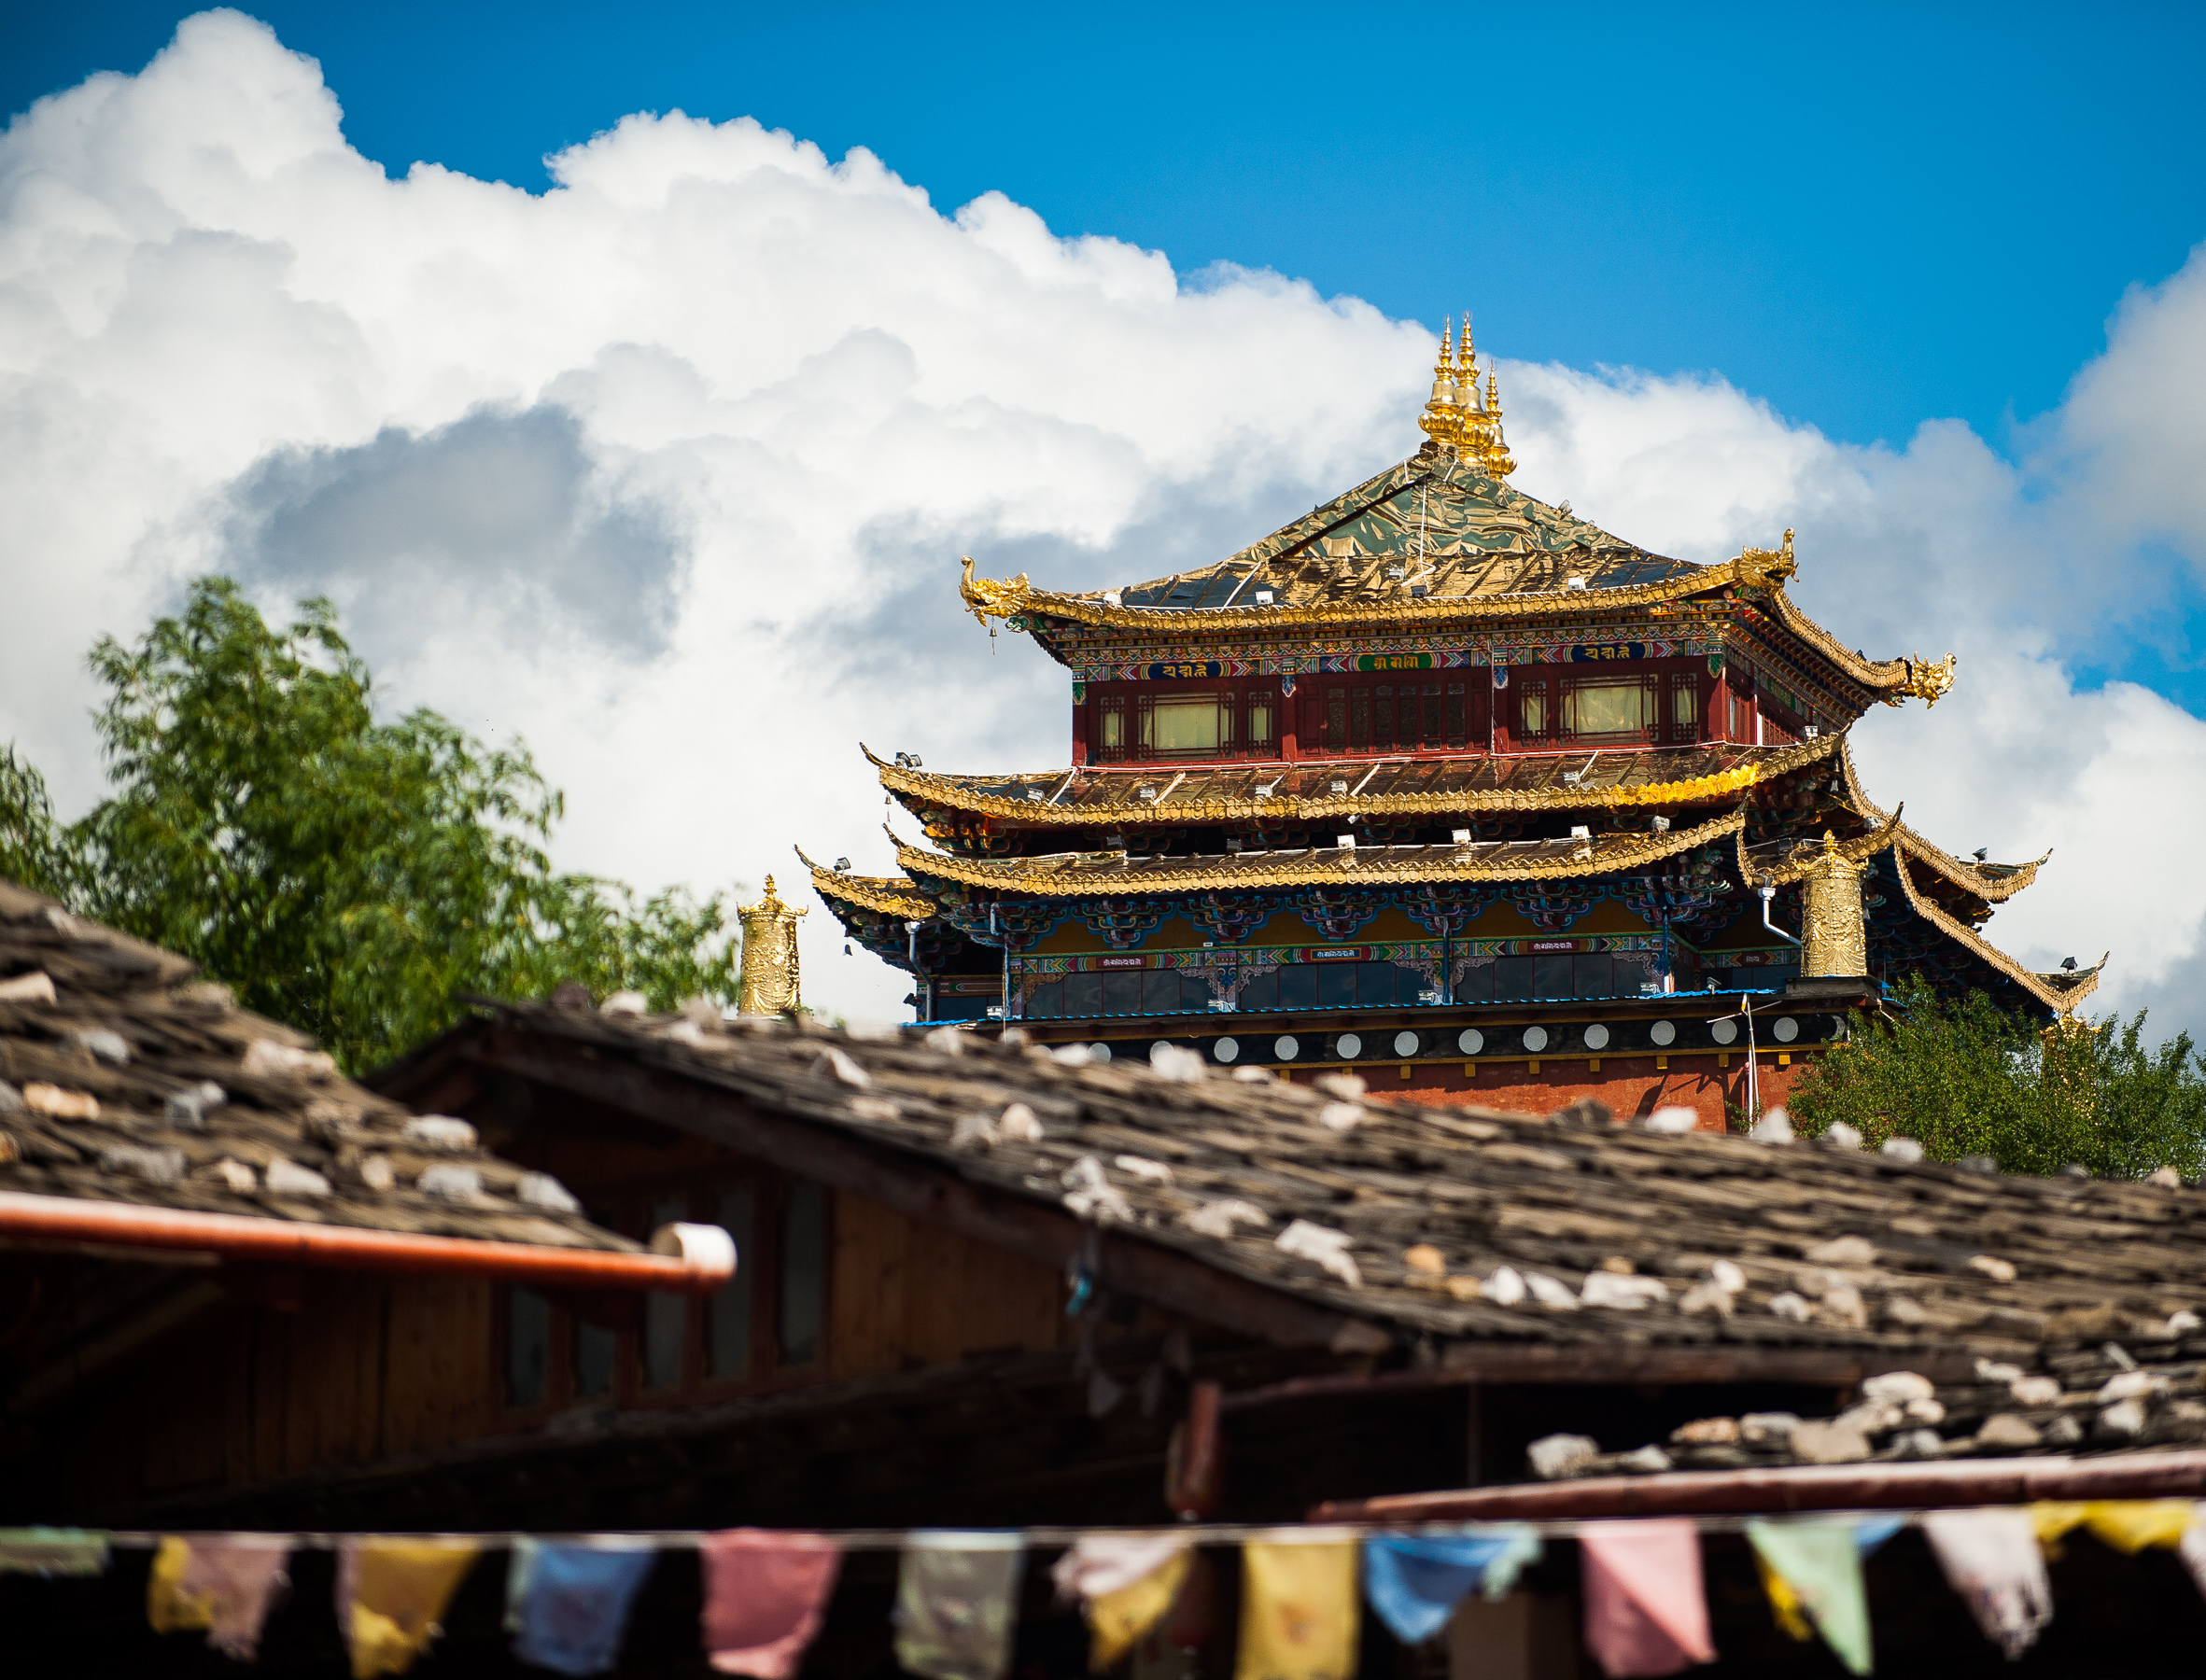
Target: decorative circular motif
[1663,1032]
[1286,1047]
[1724,1032]
[1101,1053]
[1348,1047]
[1596,1037]
[1536,1039]
[1470,1041]
[1226,1049]
[1785,1030]
[1405,1044]
[1159,1047]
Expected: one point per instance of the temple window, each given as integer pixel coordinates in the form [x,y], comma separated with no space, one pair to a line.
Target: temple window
[1532,717]
[1259,721]
[1611,708]
[1181,724]
[1684,709]
[1359,717]
[1453,717]
[1111,727]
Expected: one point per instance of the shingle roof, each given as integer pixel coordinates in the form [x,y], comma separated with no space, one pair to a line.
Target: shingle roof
[1467,1229]
[125,1078]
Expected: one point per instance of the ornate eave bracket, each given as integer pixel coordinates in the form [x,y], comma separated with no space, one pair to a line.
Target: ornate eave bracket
[994,598]
[1926,680]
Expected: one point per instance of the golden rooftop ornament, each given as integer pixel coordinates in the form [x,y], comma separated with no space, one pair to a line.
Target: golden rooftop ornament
[1456,418]
[769,982]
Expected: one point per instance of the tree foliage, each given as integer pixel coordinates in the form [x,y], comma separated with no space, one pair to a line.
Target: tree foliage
[1964,1077]
[354,878]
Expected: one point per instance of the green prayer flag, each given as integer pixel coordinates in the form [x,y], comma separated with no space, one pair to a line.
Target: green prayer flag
[1821,1567]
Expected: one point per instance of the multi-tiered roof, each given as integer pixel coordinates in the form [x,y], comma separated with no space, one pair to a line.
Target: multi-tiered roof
[1436,697]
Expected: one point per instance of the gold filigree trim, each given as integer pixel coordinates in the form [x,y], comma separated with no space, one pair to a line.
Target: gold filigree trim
[1897,679]
[891,895]
[1992,889]
[1091,875]
[2057,993]
[951,792]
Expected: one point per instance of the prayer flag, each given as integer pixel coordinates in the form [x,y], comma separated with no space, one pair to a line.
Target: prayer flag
[391,1594]
[1645,1612]
[1815,1568]
[766,1592]
[2128,1525]
[1993,1560]
[225,1584]
[1416,1581]
[53,1551]
[1297,1610]
[955,1608]
[568,1606]
[1125,1583]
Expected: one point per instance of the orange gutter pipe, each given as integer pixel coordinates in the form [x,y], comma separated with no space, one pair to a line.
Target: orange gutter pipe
[686,1258]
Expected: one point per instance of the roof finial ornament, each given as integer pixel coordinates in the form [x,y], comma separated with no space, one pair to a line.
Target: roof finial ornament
[1442,418]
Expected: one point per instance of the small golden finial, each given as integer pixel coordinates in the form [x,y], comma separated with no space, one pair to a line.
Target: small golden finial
[1466,368]
[1442,418]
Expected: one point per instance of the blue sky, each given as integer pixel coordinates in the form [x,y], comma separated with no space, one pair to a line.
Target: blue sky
[1868,215]
[667,470]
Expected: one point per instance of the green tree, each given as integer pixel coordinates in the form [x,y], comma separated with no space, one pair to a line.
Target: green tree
[354,878]
[1964,1077]
[31,846]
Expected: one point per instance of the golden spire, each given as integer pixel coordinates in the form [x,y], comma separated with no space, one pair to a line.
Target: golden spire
[1442,420]
[1467,370]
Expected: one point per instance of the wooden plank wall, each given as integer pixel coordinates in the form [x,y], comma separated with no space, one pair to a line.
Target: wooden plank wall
[368,1369]
[904,1295]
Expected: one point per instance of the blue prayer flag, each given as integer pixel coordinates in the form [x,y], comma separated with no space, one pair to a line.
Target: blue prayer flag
[1416,1581]
[568,1606]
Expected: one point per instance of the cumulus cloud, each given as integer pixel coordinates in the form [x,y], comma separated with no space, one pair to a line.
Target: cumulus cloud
[669,466]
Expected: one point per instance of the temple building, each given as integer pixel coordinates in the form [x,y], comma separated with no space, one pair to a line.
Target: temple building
[1451,788]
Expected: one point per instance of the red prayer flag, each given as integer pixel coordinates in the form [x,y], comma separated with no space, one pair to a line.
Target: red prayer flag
[766,1592]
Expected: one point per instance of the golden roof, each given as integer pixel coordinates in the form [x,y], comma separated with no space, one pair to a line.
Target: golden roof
[1087,874]
[1369,788]
[2060,990]
[891,895]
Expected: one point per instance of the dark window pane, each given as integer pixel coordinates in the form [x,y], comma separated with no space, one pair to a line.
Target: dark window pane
[1298,987]
[1359,718]
[528,1346]
[1336,985]
[1550,977]
[1409,984]
[1262,992]
[1455,711]
[1161,993]
[1383,728]
[1122,992]
[1336,718]
[666,1316]
[727,1319]
[1475,985]
[1083,995]
[1634,974]
[1374,985]
[1596,976]
[1045,1002]
[804,1270]
[593,1350]
[1513,979]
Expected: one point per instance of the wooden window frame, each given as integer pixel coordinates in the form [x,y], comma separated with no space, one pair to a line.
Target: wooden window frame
[760,1270]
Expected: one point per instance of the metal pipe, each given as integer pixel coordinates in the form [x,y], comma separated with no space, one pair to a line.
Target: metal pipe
[692,1259]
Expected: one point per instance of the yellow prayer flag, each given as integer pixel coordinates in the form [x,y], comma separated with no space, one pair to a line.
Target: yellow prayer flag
[2128,1525]
[1117,1620]
[168,1606]
[1298,1611]
[399,1590]
[1784,1603]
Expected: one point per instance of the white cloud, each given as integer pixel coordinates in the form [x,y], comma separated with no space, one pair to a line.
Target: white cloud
[669,469]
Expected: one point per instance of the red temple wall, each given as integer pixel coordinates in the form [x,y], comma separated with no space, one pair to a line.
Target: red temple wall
[1629,1086]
